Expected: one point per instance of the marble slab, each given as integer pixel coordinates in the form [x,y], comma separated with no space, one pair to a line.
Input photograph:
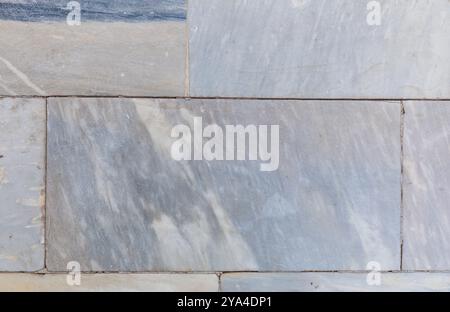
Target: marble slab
[335,282]
[320,48]
[110,283]
[22,187]
[97,10]
[120,48]
[119,201]
[426,191]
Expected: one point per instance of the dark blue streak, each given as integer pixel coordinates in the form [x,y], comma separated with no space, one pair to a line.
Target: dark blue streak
[95,10]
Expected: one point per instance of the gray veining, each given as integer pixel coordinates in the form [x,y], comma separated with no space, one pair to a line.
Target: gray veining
[117,201]
[42,56]
[426,186]
[22,192]
[319,49]
[94,10]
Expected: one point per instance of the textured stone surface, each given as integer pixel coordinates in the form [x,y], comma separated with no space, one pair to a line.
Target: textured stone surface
[22,163]
[118,201]
[110,282]
[426,186]
[326,282]
[99,10]
[319,49]
[108,54]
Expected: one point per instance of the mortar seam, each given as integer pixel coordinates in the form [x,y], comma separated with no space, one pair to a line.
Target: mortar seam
[402,133]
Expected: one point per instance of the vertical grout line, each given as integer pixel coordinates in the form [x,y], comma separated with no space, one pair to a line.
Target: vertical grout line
[219,280]
[187,86]
[402,132]
[45,184]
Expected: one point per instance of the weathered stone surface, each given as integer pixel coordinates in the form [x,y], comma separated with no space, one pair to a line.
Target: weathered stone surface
[115,50]
[319,49]
[110,282]
[327,282]
[426,186]
[117,200]
[22,166]
[93,10]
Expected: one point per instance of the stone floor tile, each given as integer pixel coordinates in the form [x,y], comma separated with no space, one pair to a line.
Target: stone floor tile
[119,201]
[426,190]
[319,48]
[332,282]
[120,48]
[22,192]
[109,282]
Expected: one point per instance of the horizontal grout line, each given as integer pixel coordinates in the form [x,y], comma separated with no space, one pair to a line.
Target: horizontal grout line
[233,272]
[223,98]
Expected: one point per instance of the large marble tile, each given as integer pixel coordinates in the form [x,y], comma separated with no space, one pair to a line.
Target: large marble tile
[319,49]
[22,170]
[336,282]
[426,190]
[120,48]
[110,283]
[118,201]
